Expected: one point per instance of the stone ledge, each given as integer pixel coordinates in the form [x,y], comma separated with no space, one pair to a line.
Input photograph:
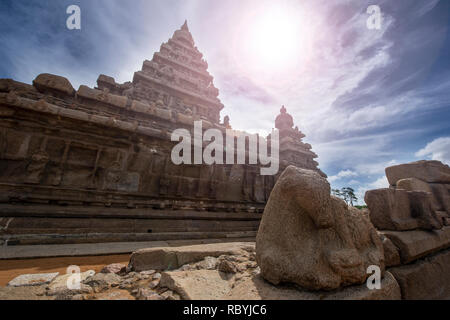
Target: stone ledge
[45,107]
[214,285]
[173,258]
[48,82]
[100,96]
[428,171]
[427,279]
[416,244]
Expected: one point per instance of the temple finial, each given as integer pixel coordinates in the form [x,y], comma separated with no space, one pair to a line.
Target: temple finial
[185,26]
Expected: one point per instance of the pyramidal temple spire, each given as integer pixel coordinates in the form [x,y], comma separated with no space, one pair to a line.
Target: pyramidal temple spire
[185,26]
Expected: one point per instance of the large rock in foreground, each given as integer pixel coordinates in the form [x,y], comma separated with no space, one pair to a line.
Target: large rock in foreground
[428,171]
[314,240]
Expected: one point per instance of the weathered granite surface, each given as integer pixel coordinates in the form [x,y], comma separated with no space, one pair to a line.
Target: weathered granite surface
[426,279]
[312,239]
[175,257]
[416,244]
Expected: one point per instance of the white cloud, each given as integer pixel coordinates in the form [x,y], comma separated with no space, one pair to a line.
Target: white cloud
[438,149]
[380,183]
[342,174]
[374,168]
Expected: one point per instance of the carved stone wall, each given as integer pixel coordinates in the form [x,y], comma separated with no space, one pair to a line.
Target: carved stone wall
[65,151]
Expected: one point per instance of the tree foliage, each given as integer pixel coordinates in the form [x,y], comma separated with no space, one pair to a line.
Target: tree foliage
[347,194]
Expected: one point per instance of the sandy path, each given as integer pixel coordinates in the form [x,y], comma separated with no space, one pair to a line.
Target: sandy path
[9,269]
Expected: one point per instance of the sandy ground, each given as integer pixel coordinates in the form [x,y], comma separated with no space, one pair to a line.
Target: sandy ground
[9,269]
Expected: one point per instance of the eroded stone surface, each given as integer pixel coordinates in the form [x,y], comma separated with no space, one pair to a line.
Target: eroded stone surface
[175,257]
[428,171]
[103,281]
[416,244]
[197,284]
[32,279]
[391,254]
[24,293]
[45,82]
[314,240]
[67,284]
[114,268]
[425,279]
[398,209]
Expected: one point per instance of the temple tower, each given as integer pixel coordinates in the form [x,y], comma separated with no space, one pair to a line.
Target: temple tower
[177,79]
[293,151]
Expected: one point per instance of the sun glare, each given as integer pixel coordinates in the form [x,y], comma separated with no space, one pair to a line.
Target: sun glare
[273,41]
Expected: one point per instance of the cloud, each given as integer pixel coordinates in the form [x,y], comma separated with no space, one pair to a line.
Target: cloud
[438,149]
[342,174]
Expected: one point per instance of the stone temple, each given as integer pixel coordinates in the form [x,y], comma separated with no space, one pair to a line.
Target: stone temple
[94,166]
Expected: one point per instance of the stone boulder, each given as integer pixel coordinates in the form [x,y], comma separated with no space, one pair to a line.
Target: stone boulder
[427,279]
[37,279]
[428,171]
[114,268]
[401,210]
[440,192]
[103,281]
[413,245]
[62,285]
[391,253]
[312,239]
[169,258]
[46,82]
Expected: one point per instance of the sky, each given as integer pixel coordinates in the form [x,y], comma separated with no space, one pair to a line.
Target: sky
[365,98]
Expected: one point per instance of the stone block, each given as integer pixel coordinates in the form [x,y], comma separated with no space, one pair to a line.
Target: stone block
[48,82]
[175,257]
[416,244]
[101,96]
[391,254]
[427,279]
[428,171]
[32,279]
[401,210]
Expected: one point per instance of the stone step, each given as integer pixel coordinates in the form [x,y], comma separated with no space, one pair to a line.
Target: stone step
[42,225]
[50,239]
[59,211]
[87,249]
[40,195]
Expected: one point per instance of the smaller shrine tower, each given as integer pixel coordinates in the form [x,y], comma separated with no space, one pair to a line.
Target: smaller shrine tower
[292,150]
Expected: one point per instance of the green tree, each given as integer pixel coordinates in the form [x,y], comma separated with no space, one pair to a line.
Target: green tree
[347,194]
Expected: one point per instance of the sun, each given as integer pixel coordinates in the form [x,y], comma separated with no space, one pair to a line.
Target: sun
[274,40]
